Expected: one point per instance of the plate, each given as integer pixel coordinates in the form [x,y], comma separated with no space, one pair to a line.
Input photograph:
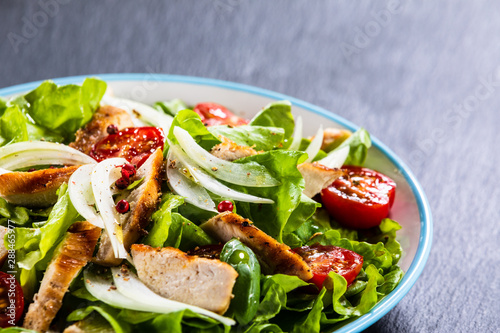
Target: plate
[410,209]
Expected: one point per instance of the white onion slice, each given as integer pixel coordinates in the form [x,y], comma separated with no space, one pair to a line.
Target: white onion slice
[102,176]
[81,195]
[211,183]
[249,174]
[132,287]
[336,158]
[100,287]
[146,112]
[33,153]
[297,135]
[185,187]
[315,145]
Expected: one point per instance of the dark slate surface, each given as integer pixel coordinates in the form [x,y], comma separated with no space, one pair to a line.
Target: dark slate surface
[425,81]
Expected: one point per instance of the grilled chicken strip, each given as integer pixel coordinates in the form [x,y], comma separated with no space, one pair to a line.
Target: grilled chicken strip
[36,188]
[317,177]
[274,256]
[95,130]
[143,201]
[171,273]
[75,251]
[230,151]
[332,137]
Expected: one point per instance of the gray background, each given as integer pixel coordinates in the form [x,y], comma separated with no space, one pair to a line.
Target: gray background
[422,77]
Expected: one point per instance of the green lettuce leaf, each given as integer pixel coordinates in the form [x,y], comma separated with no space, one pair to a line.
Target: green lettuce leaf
[124,321]
[13,126]
[264,328]
[259,137]
[274,292]
[34,245]
[311,321]
[277,114]
[357,306]
[289,206]
[172,229]
[16,330]
[191,122]
[306,208]
[19,215]
[304,143]
[3,105]
[162,220]
[64,109]
[106,312]
[388,230]
[359,143]
[171,107]
[186,235]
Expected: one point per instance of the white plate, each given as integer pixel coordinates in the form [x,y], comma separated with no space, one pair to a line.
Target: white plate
[410,209]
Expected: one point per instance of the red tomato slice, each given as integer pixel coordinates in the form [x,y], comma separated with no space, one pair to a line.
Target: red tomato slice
[135,144]
[215,114]
[359,199]
[324,259]
[11,300]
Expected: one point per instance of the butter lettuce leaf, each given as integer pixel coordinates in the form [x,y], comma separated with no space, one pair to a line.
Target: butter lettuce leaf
[273,218]
[34,246]
[191,122]
[171,107]
[50,112]
[359,143]
[64,109]
[258,137]
[277,114]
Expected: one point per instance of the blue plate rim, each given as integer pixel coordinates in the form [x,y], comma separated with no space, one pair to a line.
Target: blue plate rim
[425,241]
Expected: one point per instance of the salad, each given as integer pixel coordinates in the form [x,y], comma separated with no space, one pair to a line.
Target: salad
[118,216]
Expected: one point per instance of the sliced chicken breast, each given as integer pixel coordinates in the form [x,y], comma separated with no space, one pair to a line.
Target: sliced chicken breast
[332,137]
[34,189]
[95,130]
[171,273]
[317,177]
[143,201]
[70,257]
[230,151]
[274,256]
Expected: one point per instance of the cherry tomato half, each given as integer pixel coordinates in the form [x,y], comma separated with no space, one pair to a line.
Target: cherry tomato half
[359,199]
[324,259]
[215,114]
[135,144]
[11,300]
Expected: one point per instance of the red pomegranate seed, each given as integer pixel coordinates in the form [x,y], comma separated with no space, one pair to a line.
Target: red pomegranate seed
[129,169]
[123,182]
[112,129]
[122,206]
[225,206]
[31,169]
